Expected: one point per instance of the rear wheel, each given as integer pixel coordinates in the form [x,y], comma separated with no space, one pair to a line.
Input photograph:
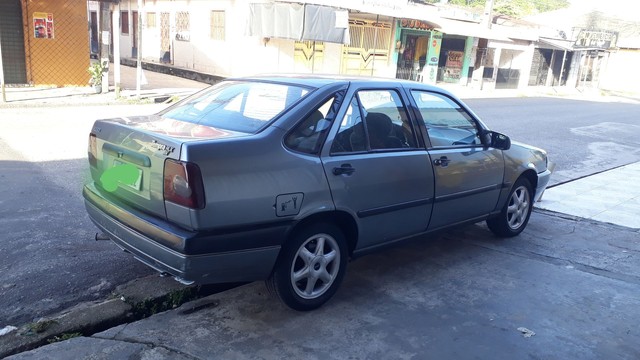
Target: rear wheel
[311,267]
[516,212]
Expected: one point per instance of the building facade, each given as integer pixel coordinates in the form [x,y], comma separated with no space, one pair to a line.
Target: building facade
[40,42]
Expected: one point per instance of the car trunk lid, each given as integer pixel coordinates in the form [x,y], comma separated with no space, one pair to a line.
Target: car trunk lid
[127,156]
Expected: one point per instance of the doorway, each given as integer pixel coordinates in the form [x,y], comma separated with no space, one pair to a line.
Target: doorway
[14,64]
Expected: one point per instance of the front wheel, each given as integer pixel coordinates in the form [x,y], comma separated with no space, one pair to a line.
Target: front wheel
[311,267]
[516,212]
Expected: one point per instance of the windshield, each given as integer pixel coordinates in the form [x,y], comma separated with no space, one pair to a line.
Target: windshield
[237,105]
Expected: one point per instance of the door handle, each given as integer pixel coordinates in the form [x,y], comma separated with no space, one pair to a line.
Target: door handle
[442,161]
[344,169]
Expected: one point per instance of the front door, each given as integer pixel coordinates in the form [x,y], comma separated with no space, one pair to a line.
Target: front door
[468,174]
[165,38]
[13,61]
[377,169]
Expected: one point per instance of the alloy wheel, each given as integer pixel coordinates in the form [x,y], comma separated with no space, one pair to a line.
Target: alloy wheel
[315,266]
[518,208]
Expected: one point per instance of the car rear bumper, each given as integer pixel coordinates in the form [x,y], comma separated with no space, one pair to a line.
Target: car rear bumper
[191,256]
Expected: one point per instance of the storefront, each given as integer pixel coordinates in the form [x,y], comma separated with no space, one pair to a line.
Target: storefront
[427,52]
[451,59]
[369,47]
[551,62]
[412,45]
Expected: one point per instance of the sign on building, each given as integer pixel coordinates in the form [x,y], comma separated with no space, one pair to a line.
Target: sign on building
[42,25]
[599,39]
[453,67]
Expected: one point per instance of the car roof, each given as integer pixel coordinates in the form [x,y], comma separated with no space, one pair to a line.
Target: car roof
[320,80]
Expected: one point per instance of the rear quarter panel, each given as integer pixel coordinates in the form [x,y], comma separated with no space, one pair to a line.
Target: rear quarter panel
[243,177]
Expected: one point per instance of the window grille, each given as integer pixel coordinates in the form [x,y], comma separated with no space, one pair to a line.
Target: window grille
[182,21]
[151,20]
[217,25]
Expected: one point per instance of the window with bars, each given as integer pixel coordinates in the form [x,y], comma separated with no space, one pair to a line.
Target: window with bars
[217,24]
[182,21]
[183,26]
[151,20]
[124,22]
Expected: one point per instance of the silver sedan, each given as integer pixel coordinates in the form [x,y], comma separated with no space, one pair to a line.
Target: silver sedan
[285,178]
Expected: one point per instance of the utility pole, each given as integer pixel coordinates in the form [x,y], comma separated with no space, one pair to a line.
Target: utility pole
[105,34]
[487,16]
[483,48]
[139,51]
[4,96]
[116,51]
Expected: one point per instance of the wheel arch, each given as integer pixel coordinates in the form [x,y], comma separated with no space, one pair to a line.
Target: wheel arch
[532,176]
[343,220]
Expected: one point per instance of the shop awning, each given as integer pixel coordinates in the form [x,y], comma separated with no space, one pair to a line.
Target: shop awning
[299,22]
[463,28]
[556,44]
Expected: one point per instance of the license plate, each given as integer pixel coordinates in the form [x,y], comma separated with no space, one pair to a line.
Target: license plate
[137,184]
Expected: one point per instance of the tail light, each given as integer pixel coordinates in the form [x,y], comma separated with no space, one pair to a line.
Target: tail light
[93,150]
[183,184]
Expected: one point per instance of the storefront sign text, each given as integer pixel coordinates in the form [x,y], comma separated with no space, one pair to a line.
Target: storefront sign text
[596,39]
[415,24]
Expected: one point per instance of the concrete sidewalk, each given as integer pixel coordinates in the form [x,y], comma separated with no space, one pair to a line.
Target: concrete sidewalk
[156,86]
[611,196]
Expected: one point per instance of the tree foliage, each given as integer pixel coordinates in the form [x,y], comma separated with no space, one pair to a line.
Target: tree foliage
[515,8]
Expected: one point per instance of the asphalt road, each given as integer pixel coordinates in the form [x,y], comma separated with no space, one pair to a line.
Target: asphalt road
[581,137]
[49,261]
[48,258]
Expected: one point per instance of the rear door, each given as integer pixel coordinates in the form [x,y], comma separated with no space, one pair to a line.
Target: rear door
[377,168]
[468,174]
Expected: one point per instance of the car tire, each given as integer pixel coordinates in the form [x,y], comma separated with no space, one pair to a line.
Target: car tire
[516,212]
[310,268]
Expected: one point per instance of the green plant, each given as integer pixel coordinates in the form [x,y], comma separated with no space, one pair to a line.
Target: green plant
[39,327]
[96,70]
[63,337]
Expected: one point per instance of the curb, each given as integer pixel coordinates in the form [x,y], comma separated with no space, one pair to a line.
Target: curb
[132,301]
[82,99]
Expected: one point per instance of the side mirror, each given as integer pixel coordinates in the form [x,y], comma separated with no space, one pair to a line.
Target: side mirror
[497,140]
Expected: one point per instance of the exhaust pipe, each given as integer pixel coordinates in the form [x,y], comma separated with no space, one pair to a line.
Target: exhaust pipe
[102,236]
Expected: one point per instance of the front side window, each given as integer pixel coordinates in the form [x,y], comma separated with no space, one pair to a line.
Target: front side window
[447,123]
[237,106]
[375,120]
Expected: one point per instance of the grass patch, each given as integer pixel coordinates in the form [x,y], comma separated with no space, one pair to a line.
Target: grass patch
[63,337]
[40,326]
[170,301]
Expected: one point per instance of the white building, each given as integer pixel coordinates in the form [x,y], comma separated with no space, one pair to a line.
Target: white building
[357,37]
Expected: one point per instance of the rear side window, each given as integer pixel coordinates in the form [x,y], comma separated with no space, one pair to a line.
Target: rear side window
[308,136]
[447,123]
[237,106]
[375,120]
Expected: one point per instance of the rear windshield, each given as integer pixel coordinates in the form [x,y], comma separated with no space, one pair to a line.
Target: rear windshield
[237,105]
